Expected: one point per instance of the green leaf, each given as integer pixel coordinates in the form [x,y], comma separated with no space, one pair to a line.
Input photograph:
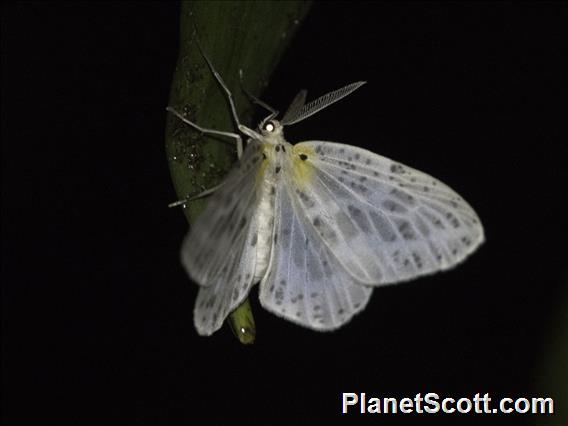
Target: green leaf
[235,35]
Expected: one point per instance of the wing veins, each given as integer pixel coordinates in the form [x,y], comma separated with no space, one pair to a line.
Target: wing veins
[365,202]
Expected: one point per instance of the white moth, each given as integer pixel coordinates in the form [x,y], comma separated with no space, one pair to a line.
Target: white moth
[318,224]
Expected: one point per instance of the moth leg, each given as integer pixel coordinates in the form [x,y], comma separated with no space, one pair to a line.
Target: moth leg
[196,196]
[249,132]
[255,100]
[210,131]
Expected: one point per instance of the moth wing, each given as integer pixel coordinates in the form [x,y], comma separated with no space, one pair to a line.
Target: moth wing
[305,283]
[383,221]
[219,252]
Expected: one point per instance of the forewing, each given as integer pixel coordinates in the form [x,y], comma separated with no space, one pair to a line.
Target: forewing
[219,253]
[305,283]
[384,222]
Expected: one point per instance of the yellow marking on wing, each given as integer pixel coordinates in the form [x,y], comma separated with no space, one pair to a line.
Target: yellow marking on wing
[302,169]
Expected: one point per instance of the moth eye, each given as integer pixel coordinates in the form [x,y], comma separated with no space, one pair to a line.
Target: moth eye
[269,127]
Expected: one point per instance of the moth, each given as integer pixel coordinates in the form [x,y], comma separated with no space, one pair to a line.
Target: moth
[317,224]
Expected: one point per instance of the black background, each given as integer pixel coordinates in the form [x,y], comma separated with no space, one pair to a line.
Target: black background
[97,311]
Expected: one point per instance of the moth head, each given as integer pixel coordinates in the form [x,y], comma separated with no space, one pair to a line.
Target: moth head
[270,128]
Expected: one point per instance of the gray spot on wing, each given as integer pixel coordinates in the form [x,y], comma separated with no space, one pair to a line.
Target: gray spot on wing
[298,254]
[394,207]
[285,240]
[422,225]
[279,296]
[305,199]
[324,229]
[314,267]
[382,226]
[432,218]
[359,217]
[436,252]
[403,196]
[326,267]
[346,226]
[405,228]
[417,260]
[453,220]
[397,168]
